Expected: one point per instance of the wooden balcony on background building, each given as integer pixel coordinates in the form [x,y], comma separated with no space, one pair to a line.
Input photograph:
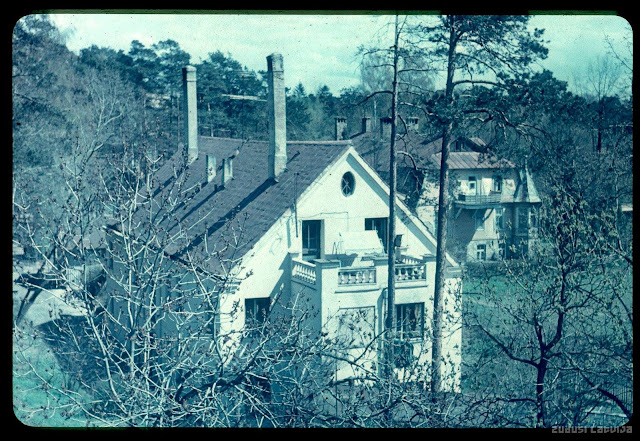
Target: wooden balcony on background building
[479,200]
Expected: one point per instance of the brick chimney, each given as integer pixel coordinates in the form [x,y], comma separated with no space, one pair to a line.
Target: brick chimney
[341,128]
[211,168]
[366,124]
[190,112]
[227,170]
[385,127]
[277,116]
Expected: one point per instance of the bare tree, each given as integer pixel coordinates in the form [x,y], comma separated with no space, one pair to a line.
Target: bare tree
[600,84]
[562,319]
[624,55]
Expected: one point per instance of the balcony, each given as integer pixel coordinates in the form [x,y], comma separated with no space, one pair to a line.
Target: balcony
[304,272]
[370,273]
[410,273]
[357,276]
[478,200]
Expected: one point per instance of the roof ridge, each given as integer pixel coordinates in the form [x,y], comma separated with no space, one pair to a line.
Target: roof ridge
[227,138]
[292,141]
[333,141]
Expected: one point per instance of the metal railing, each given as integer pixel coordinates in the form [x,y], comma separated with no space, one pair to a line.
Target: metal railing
[492,198]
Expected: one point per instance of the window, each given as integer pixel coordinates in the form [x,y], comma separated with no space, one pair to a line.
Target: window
[501,249]
[410,320]
[348,184]
[479,218]
[481,252]
[497,184]
[533,217]
[379,224]
[258,387]
[522,220]
[499,219]
[522,248]
[526,217]
[471,183]
[311,230]
[256,311]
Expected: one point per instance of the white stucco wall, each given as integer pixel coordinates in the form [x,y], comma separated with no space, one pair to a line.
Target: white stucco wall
[267,268]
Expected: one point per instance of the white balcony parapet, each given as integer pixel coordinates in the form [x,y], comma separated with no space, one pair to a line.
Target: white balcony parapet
[407,272]
[357,276]
[304,271]
[320,272]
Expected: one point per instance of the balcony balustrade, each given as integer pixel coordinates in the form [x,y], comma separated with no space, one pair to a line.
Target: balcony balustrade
[479,199]
[304,271]
[410,260]
[408,270]
[356,276]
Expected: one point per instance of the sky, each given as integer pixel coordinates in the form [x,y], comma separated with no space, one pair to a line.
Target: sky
[318,49]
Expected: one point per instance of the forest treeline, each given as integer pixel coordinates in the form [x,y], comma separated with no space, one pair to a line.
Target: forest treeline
[60,98]
[56,94]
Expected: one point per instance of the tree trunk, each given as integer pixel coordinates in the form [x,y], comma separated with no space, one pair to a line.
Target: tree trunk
[540,412]
[392,209]
[441,254]
[436,353]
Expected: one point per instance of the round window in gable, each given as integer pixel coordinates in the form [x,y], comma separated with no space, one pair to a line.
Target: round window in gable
[348,184]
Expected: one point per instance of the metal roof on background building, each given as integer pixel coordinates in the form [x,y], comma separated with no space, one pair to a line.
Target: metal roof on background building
[471,160]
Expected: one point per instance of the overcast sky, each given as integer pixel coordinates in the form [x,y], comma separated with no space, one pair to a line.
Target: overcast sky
[317,49]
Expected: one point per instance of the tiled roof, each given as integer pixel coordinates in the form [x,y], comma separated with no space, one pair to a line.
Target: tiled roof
[416,154]
[417,150]
[202,219]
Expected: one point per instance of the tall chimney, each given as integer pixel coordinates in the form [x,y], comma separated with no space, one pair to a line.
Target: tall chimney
[277,116]
[385,127]
[190,111]
[341,128]
[366,124]
[227,170]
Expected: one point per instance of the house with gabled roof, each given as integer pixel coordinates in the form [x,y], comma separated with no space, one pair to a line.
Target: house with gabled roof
[495,202]
[298,222]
